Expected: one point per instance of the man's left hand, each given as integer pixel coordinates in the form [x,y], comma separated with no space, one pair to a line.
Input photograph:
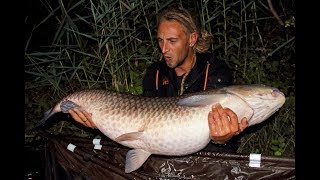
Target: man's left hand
[223,124]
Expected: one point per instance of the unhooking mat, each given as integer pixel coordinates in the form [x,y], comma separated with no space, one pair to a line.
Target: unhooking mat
[84,158]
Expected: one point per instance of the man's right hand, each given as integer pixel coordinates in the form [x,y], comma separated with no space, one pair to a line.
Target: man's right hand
[82,117]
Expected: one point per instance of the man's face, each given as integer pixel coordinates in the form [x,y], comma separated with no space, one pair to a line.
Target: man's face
[174,42]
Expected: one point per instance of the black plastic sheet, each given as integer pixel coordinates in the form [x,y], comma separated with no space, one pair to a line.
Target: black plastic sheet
[86,162]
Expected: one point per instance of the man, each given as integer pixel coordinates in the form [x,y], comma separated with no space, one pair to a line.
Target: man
[187,67]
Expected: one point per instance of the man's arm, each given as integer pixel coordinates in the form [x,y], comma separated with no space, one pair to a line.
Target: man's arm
[149,82]
[223,122]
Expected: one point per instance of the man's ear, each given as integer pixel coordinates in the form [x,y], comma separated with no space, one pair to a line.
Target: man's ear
[193,39]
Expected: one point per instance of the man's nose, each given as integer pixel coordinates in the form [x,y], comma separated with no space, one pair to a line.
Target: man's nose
[164,47]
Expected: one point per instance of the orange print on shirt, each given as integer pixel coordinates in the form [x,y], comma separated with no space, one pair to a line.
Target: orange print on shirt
[165,81]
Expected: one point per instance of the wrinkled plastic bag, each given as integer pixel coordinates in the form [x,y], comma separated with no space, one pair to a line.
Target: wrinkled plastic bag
[105,160]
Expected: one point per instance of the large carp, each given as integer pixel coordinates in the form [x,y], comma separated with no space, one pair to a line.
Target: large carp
[172,126]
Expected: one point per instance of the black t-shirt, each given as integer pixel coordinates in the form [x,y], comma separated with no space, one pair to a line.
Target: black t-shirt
[218,75]
[208,72]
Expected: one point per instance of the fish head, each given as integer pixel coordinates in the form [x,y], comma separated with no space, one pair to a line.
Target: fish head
[264,100]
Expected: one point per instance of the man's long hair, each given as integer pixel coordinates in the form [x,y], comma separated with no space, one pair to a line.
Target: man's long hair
[191,24]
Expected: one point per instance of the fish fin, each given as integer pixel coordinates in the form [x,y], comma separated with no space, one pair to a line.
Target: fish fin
[135,159]
[46,116]
[129,136]
[66,105]
[201,100]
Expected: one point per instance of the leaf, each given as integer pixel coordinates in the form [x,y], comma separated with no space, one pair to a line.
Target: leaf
[282,145]
[281,140]
[277,153]
[274,148]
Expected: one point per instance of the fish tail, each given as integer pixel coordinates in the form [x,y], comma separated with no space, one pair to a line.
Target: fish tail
[46,116]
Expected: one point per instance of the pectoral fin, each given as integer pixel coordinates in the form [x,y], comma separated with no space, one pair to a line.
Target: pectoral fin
[202,100]
[67,105]
[129,136]
[135,159]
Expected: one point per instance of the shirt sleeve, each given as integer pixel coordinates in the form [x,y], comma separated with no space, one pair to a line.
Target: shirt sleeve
[149,81]
[220,75]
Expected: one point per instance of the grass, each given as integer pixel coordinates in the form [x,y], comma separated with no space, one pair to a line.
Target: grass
[74,45]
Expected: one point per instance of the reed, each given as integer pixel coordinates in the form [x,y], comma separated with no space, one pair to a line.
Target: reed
[74,45]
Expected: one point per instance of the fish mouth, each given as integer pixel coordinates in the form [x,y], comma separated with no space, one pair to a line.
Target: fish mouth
[263,103]
[276,93]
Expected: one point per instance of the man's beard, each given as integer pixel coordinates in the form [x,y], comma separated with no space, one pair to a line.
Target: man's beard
[172,65]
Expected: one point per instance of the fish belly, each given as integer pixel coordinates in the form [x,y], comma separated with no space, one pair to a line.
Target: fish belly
[178,132]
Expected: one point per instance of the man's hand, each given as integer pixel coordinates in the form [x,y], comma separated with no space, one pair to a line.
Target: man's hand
[82,117]
[223,124]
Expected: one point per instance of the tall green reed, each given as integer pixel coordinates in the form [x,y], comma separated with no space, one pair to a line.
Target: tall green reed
[108,44]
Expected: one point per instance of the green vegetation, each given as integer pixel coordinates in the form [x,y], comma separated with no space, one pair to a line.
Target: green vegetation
[72,45]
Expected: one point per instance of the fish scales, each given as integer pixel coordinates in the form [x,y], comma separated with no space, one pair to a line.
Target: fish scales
[161,119]
[172,126]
